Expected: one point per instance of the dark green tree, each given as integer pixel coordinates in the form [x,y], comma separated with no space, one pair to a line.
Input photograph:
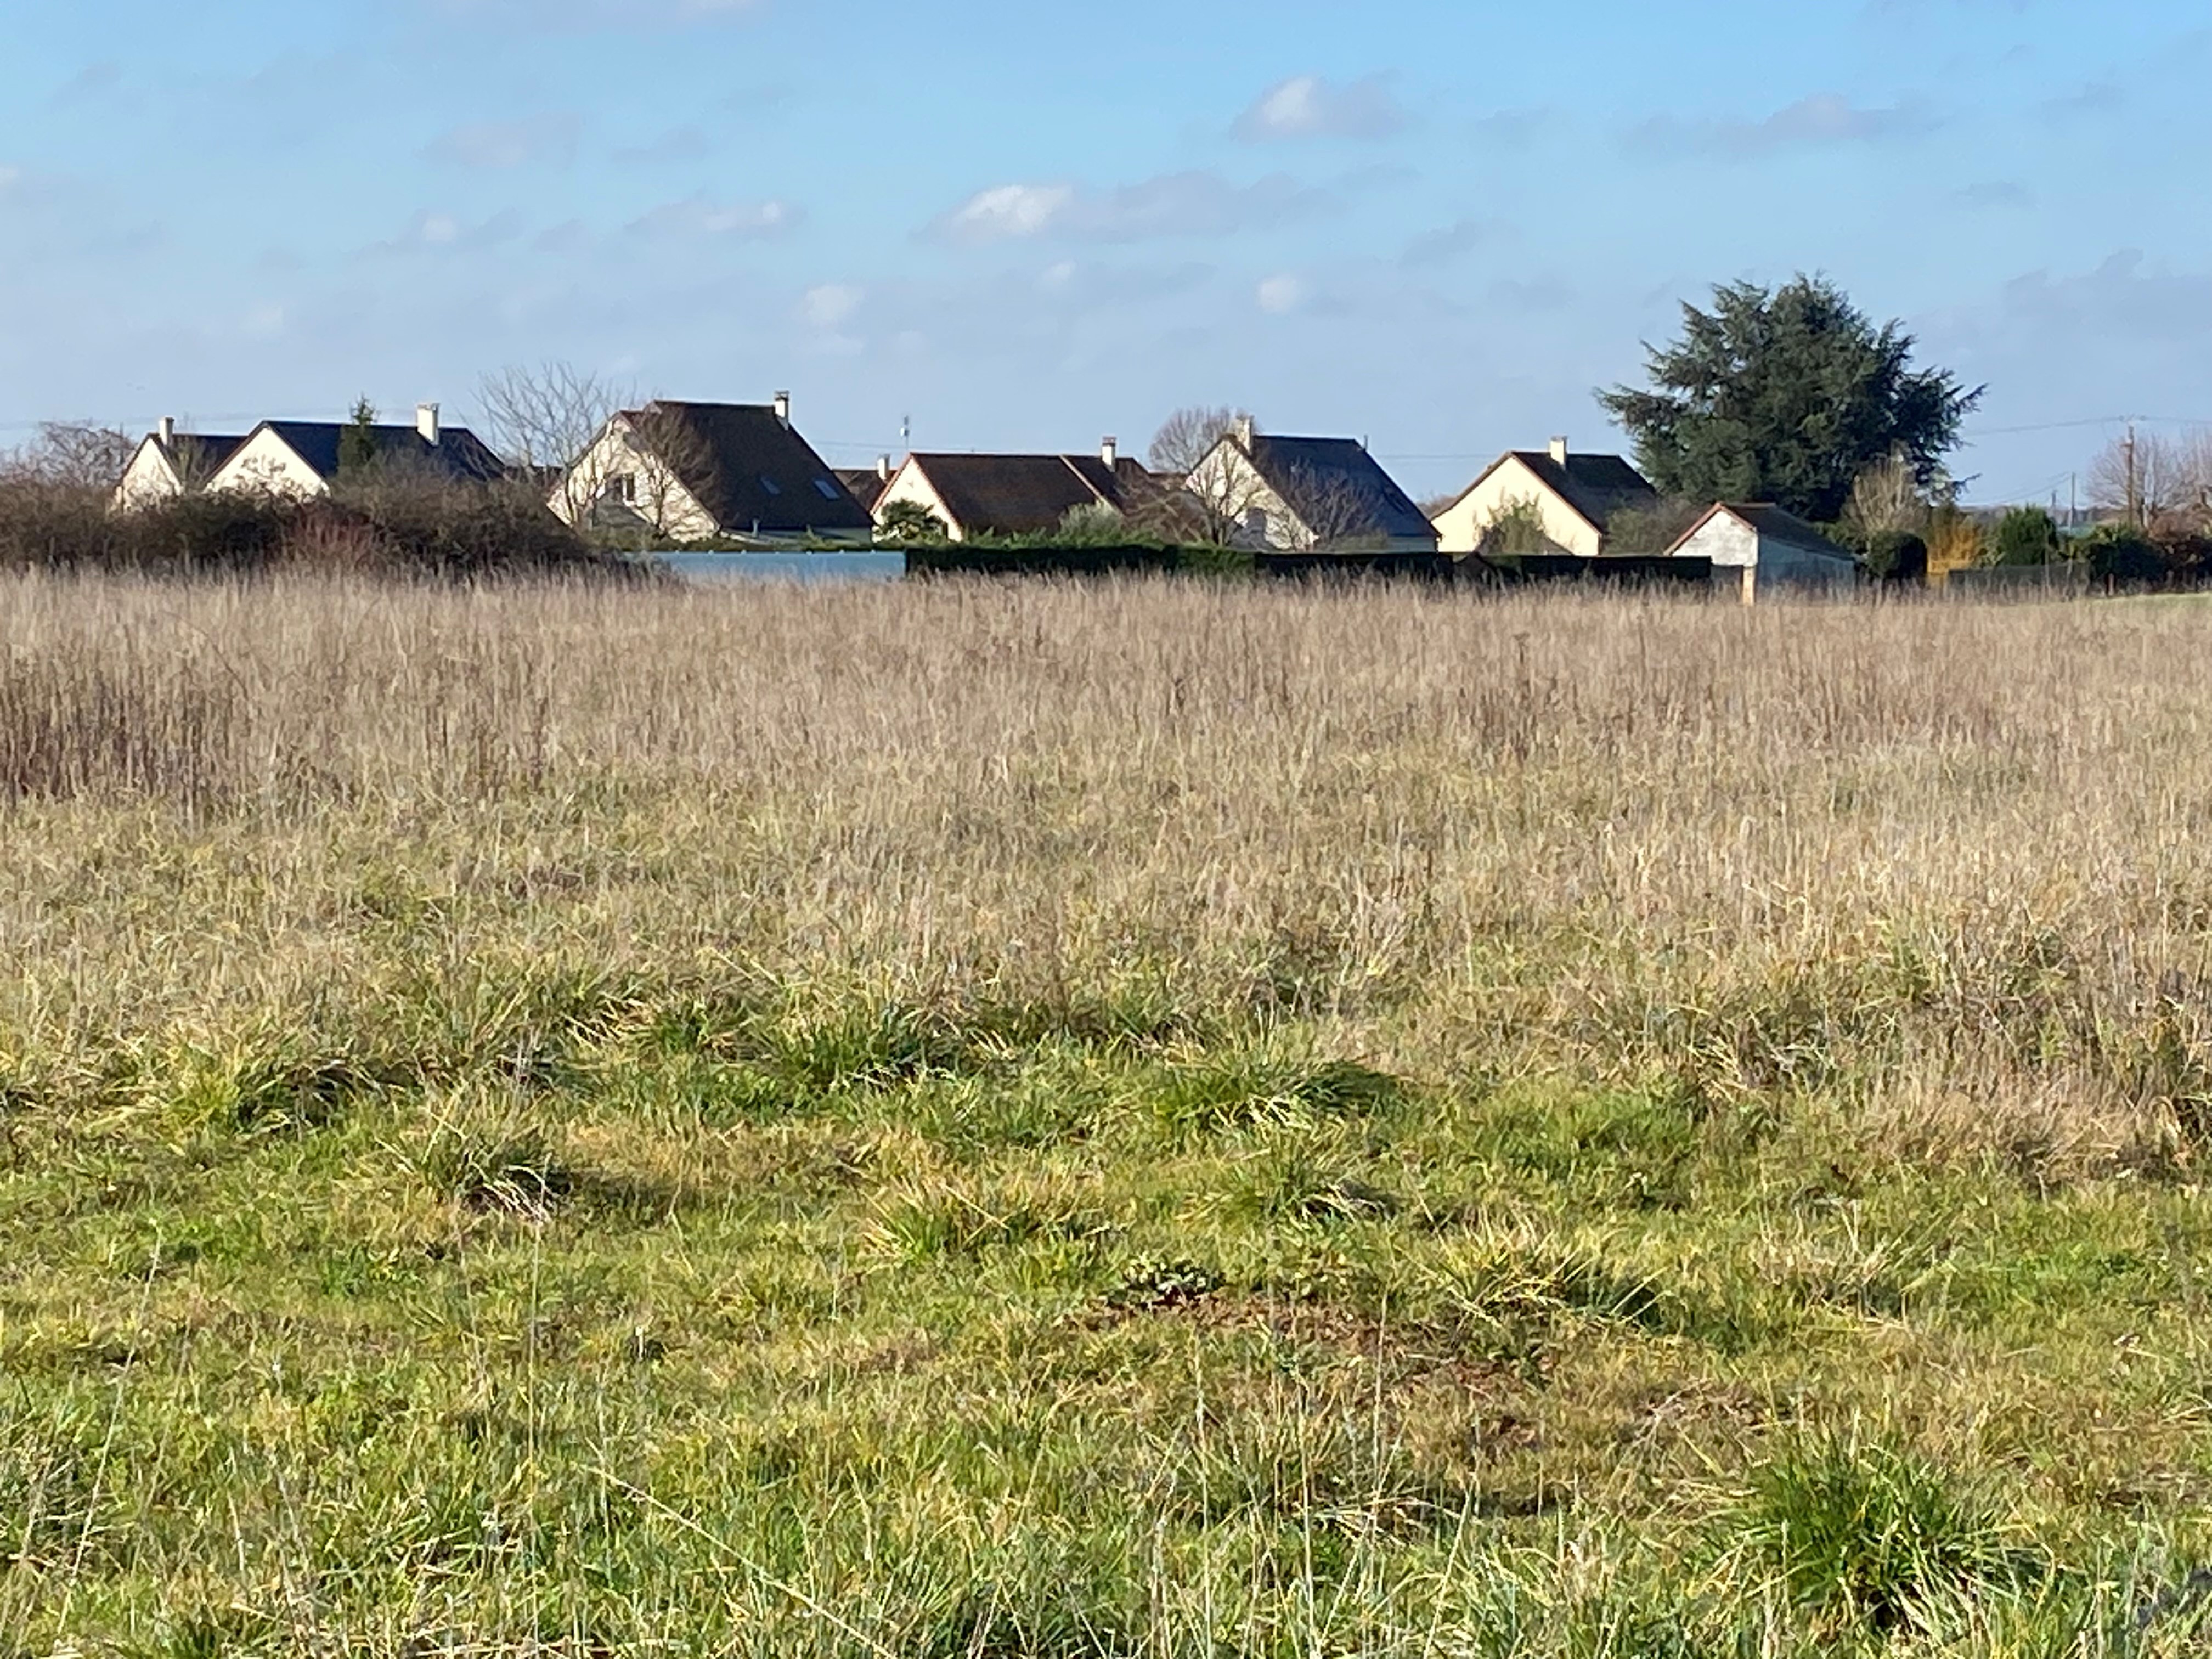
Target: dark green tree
[2026,535]
[357,440]
[1787,396]
[910,524]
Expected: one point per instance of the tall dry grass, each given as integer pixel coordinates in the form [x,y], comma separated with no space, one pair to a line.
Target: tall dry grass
[1944,867]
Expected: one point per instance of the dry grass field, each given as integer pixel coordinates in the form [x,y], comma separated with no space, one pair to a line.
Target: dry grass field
[1149,1120]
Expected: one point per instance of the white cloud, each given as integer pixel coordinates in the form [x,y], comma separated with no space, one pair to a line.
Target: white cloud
[1172,205]
[831,305]
[550,138]
[1009,210]
[444,233]
[1279,296]
[1825,117]
[698,215]
[1309,107]
[10,176]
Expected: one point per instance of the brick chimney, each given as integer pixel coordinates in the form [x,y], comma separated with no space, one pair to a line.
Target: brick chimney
[783,407]
[426,422]
[1560,450]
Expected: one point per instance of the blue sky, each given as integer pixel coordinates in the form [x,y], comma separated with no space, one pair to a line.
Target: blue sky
[1026,223]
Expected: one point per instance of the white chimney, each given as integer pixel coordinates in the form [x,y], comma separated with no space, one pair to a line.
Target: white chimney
[1110,449]
[884,466]
[783,407]
[1560,450]
[426,422]
[169,430]
[1246,429]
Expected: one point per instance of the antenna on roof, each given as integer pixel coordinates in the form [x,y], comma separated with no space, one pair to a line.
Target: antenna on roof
[906,432]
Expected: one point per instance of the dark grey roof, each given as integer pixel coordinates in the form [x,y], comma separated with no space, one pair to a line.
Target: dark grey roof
[1364,500]
[865,484]
[1595,486]
[748,468]
[458,454]
[1020,495]
[1778,524]
[197,454]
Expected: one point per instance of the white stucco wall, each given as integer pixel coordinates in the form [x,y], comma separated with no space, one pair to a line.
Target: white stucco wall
[265,463]
[1766,566]
[1725,539]
[911,483]
[148,480]
[1461,527]
[663,504]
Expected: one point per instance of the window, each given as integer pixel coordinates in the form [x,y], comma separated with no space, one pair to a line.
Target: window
[770,485]
[623,488]
[828,491]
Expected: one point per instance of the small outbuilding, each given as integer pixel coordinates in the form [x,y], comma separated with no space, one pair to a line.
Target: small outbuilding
[1764,549]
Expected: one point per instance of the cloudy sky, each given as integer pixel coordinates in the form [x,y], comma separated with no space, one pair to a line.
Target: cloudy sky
[1026,223]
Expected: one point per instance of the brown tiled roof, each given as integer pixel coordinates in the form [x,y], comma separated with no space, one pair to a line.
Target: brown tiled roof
[1022,494]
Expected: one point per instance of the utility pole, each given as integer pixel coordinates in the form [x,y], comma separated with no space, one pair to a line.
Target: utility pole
[2135,488]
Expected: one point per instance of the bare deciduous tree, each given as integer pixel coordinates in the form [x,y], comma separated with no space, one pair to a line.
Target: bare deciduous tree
[1336,514]
[671,457]
[1188,436]
[73,455]
[545,421]
[1888,498]
[2148,480]
[1220,490]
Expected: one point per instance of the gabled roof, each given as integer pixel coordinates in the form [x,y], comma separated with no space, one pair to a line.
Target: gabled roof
[458,454]
[1769,523]
[1022,494]
[199,454]
[1595,487]
[865,484]
[748,468]
[1303,470]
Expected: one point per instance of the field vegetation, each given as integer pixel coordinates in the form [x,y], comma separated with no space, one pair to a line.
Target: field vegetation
[978,1120]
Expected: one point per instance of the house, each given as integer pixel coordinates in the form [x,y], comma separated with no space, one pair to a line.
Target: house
[168,463]
[974,495]
[1304,495]
[1764,548]
[697,471]
[303,459]
[866,484]
[1573,498]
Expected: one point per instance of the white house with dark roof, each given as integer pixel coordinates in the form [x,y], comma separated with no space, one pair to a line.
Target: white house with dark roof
[1764,548]
[168,463]
[697,471]
[1305,494]
[302,458]
[1573,495]
[974,495]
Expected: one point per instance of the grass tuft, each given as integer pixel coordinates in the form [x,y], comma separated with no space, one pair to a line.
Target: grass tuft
[1868,1534]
